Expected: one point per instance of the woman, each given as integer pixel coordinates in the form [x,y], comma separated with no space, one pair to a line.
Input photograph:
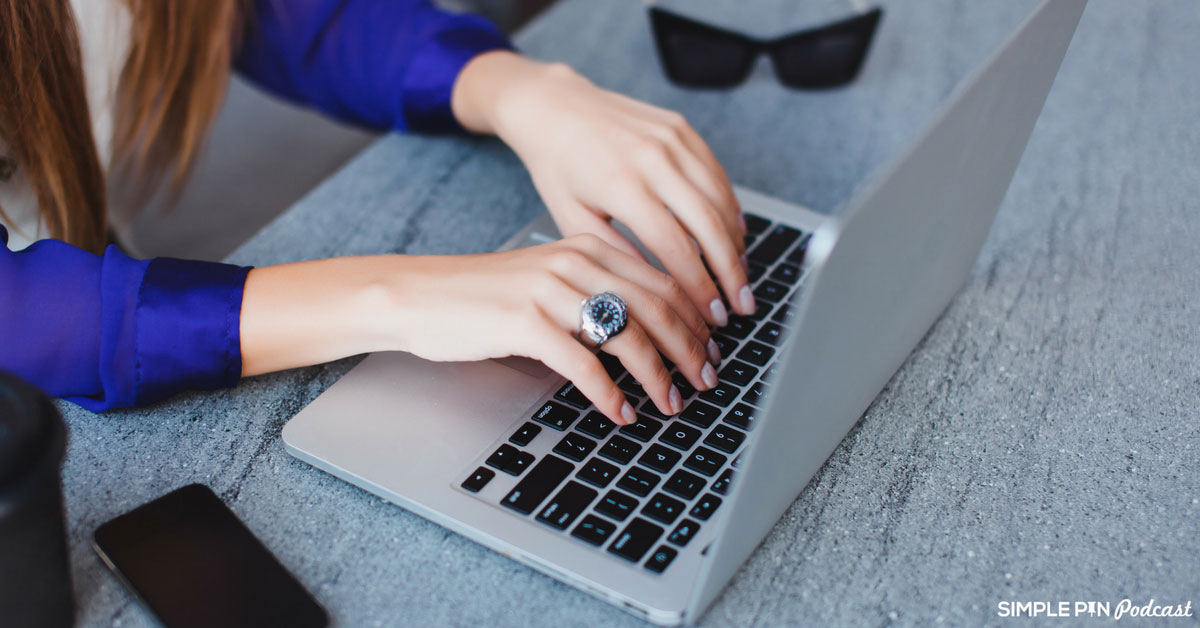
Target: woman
[129,87]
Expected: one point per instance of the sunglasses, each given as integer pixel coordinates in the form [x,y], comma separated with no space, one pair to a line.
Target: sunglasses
[696,54]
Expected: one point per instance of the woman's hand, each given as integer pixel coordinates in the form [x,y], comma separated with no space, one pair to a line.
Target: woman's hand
[525,302]
[595,155]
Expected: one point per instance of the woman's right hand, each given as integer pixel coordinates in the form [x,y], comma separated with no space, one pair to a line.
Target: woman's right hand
[525,302]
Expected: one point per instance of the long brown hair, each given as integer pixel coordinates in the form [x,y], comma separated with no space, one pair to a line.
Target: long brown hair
[170,89]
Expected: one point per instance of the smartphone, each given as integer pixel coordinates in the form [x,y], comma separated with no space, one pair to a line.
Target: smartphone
[192,562]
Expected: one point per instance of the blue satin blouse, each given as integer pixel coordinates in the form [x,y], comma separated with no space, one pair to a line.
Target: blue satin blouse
[110,331]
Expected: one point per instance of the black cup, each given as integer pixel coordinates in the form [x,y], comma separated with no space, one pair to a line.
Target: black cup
[35,578]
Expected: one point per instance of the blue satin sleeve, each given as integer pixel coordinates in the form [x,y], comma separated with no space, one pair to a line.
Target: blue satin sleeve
[107,331]
[388,64]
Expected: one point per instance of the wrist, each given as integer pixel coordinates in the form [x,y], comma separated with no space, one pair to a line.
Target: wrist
[490,88]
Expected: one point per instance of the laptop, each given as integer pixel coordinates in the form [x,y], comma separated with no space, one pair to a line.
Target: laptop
[656,517]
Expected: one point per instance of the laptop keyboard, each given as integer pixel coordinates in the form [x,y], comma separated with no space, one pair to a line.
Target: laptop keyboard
[652,485]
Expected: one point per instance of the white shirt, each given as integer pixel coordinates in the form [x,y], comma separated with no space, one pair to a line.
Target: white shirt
[104,40]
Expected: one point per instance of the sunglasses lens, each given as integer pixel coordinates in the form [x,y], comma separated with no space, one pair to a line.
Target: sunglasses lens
[698,55]
[827,57]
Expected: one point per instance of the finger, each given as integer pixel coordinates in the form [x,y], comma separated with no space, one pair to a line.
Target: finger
[701,168]
[721,250]
[575,278]
[667,239]
[581,220]
[565,355]
[668,333]
[636,351]
[659,284]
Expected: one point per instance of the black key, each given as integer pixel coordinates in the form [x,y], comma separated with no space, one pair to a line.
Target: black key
[755,224]
[611,364]
[680,435]
[770,334]
[774,244]
[756,353]
[663,508]
[570,394]
[705,507]
[519,463]
[620,450]
[760,311]
[571,501]
[595,425]
[525,434]
[479,479]
[543,478]
[737,372]
[650,409]
[556,415]
[685,387]
[616,505]
[726,439]
[643,430]
[725,344]
[639,481]
[684,532]
[700,414]
[722,484]
[741,416]
[632,386]
[660,458]
[598,472]
[635,540]
[705,461]
[755,394]
[748,240]
[797,254]
[770,292]
[756,271]
[772,372]
[784,314]
[786,273]
[660,559]
[722,394]
[739,327]
[594,530]
[575,446]
[684,484]
[501,456]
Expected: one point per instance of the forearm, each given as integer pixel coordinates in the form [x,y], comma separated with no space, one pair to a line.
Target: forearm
[307,313]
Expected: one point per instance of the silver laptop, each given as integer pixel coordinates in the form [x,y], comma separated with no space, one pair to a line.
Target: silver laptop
[657,517]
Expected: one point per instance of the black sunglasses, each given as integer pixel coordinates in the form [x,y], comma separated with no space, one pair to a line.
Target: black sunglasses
[696,54]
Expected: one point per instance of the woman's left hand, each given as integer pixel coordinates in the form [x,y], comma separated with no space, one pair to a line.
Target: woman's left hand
[595,156]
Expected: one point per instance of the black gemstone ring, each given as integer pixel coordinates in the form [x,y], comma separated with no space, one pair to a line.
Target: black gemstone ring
[603,317]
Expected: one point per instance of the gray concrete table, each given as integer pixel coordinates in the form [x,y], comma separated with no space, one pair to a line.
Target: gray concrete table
[1042,443]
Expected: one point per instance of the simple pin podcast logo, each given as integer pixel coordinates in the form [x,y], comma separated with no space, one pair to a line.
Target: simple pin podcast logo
[1092,608]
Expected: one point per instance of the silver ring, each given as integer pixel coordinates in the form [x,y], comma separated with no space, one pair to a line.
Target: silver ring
[603,317]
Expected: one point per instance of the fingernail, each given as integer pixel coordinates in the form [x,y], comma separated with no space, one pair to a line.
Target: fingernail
[742,222]
[627,413]
[747,299]
[676,400]
[718,312]
[745,264]
[709,375]
[714,352]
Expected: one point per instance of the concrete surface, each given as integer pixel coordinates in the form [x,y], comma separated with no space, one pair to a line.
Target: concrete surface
[1043,442]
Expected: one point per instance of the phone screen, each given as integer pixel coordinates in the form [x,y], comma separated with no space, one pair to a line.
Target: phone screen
[194,563]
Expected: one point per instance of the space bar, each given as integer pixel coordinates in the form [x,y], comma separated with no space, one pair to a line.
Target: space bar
[543,478]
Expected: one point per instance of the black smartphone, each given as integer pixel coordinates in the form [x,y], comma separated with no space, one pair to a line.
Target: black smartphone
[192,562]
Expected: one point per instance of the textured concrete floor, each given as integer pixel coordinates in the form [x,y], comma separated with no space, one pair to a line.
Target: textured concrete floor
[1043,442]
